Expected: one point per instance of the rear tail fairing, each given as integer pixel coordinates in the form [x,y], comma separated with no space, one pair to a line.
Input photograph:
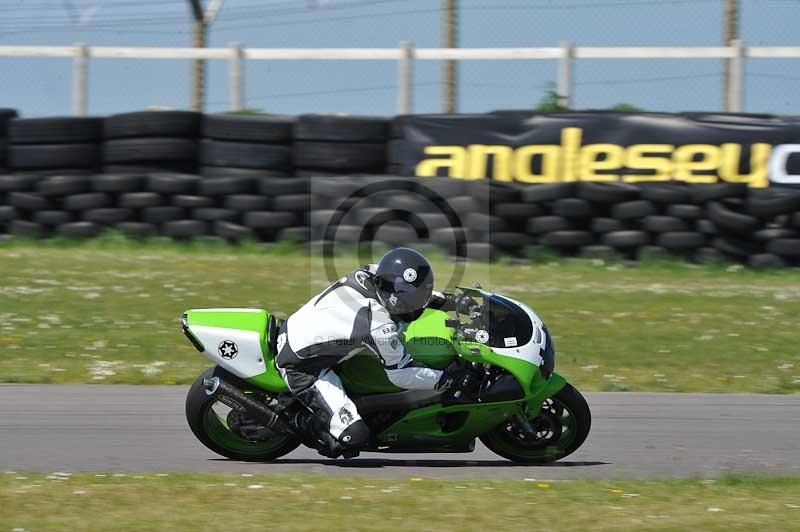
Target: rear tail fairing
[236,340]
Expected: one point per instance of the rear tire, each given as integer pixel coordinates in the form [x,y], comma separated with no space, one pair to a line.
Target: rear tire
[214,433]
[568,419]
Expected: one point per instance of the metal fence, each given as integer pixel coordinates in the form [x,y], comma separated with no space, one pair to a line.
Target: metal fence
[405,55]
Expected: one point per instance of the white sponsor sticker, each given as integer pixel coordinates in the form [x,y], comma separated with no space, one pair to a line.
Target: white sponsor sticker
[482,336]
[510,341]
[410,275]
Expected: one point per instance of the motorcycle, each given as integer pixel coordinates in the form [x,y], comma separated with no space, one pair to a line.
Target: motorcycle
[523,411]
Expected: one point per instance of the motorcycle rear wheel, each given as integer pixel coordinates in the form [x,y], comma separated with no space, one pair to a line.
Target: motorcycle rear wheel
[562,426]
[211,427]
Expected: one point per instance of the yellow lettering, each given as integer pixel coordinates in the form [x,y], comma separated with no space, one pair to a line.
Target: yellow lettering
[571,143]
[479,161]
[523,163]
[759,161]
[707,159]
[641,157]
[591,163]
[454,160]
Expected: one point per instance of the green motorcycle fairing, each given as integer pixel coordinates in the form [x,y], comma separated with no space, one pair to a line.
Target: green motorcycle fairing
[428,340]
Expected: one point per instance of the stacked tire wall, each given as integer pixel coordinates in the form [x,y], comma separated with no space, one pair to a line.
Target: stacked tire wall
[323,179]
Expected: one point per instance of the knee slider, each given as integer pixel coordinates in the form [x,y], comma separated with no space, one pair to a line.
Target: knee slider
[356,435]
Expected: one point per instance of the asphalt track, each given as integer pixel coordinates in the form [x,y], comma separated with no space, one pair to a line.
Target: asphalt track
[142,428]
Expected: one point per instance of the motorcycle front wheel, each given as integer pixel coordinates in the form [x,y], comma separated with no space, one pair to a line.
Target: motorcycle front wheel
[560,428]
[215,425]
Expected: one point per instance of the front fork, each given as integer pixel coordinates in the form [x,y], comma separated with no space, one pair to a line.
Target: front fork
[541,389]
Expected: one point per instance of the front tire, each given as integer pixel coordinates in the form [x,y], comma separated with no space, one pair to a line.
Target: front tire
[562,426]
[211,428]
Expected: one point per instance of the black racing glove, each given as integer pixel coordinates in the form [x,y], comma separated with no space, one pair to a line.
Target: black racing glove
[460,383]
[463,304]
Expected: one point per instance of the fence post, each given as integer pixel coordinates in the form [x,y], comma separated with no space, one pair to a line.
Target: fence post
[565,74]
[236,73]
[736,80]
[405,79]
[80,67]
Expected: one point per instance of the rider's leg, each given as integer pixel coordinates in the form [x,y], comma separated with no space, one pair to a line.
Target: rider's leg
[335,420]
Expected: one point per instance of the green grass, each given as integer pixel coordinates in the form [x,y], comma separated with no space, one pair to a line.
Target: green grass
[194,502]
[109,312]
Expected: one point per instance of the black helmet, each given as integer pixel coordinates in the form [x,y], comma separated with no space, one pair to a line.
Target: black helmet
[404,282]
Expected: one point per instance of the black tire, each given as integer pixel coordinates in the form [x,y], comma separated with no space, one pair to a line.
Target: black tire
[567,239]
[79,230]
[544,193]
[185,229]
[447,187]
[18,182]
[462,205]
[483,251]
[137,229]
[26,201]
[119,183]
[396,233]
[181,167]
[264,129]
[251,173]
[170,183]
[6,114]
[774,205]
[149,150]
[785,247]
[736,247]
[191,202]
[90,200]
[26,229]
[111,216]
[212,214]
[717,191]
[276,186]
[298,234]
[342,128]
[42,156]
[269,220]
[765,260]
[607,192]
[573,208]
[490,192]
[666,194]
[223,186]
[340,156]
[294,203]
[53,218]
[685,212]
[201,419]
[517,211]
[160,215]
[55,130]
[502,441]
[680,240]
[184,124]
[64,185]
[245,155]
[7,213]
[485,223]
[247,202]
[233,232]
[765,235]
[664,224]
[606,225]
[547,224]
[626,239]
[509,241]
[141,200]
[730,220]
[706,227]
[631,210]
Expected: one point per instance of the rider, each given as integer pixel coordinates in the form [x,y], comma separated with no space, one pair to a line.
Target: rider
[364,309]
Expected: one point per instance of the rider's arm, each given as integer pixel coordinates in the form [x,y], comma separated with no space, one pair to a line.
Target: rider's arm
[401,370]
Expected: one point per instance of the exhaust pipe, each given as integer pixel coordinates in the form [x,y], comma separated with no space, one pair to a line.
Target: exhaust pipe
[233,397]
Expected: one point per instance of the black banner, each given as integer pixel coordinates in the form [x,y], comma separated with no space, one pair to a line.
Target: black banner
[530,147]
